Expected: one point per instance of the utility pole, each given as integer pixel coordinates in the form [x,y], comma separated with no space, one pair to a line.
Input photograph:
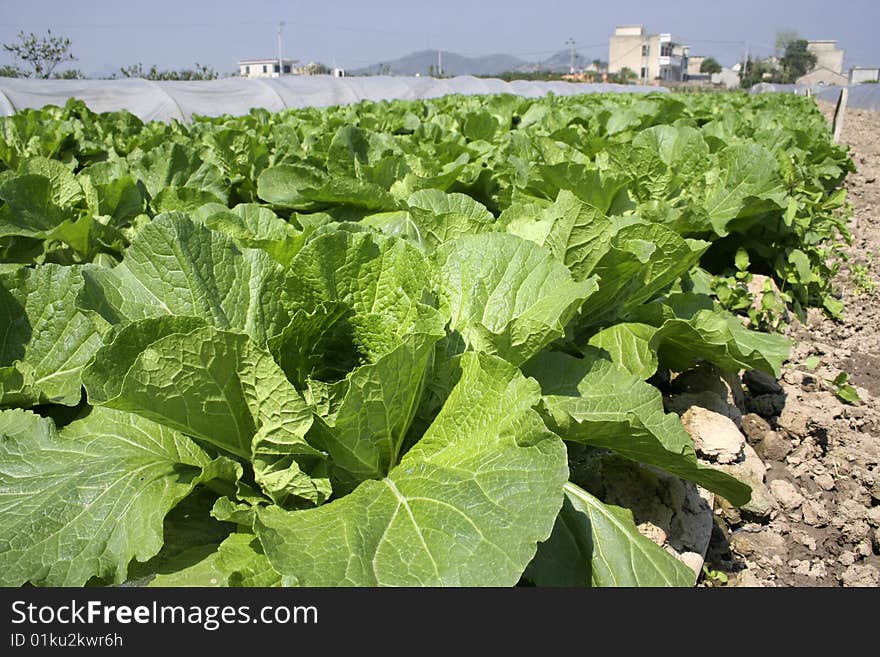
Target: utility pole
[280,63]
[439,63]
[570,44]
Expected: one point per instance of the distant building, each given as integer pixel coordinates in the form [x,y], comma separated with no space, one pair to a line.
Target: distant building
[828,55]
[693,68]
[862,74]
[651,56]
[694,64]
[729,77]
[829,64]
[265,68]
[823,76]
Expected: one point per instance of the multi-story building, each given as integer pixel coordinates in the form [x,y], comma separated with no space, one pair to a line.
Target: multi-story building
[828,55]
[653,57]
[265,68]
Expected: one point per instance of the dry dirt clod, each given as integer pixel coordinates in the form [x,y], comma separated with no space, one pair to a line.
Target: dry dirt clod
[786,494]
[715,436]
[774,447]
[861,575]
[755,427]
[751,471]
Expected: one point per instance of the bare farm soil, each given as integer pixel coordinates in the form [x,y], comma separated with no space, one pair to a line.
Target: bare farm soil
[817,517]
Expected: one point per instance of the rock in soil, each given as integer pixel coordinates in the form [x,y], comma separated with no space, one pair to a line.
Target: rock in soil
[773,448]
[751,471]
[715,436]
[755,427]
[862,576]
[761,383]
[786,494]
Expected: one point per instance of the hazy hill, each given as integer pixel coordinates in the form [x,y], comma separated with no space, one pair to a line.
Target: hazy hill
[453,64]
[558,62]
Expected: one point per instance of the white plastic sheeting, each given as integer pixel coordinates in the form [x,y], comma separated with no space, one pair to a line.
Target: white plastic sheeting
[861,96]
[165,101]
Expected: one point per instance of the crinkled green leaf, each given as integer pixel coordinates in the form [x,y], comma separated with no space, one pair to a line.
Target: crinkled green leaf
[629,346]
[287,186]
[663,160]
[506,295]
[179,165]
[44,340]
[593,401]
[576,230]
[111,191]
[176,266]
[319,344]
[377,404]
[720,338]
[643,260]
[440,217]
[65,188]
[744,183]
[83,502]
[466,506]
[30,209]
[306,188]
[382,279]
[217,386]
[182,199]
[196,566]
[596,544]
[252,226]
[237,561]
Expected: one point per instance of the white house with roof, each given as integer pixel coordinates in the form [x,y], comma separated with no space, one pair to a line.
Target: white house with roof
[265,68]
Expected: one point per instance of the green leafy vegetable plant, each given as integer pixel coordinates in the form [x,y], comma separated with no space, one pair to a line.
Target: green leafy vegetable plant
[356,346]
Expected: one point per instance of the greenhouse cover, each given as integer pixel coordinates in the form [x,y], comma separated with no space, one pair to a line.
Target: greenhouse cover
[168,100]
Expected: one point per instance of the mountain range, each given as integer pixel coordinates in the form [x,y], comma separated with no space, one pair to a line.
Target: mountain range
[425,62]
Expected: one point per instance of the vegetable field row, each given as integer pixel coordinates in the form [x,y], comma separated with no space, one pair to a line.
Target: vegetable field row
[377,344]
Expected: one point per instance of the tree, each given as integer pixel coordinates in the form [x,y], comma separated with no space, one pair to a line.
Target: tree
[316,68]
[70,74]
[797,60]
[710,65]
[600,65]
[12,71]
[754,71]
[783,38]
[41,54]
[200,72]
[626,74]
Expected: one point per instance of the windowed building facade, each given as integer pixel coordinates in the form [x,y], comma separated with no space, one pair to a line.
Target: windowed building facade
[654,58]
[265,68]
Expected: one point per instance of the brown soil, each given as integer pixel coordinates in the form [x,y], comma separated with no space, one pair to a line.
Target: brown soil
[821,454]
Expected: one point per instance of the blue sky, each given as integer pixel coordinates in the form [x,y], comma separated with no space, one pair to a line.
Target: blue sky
[109,34]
